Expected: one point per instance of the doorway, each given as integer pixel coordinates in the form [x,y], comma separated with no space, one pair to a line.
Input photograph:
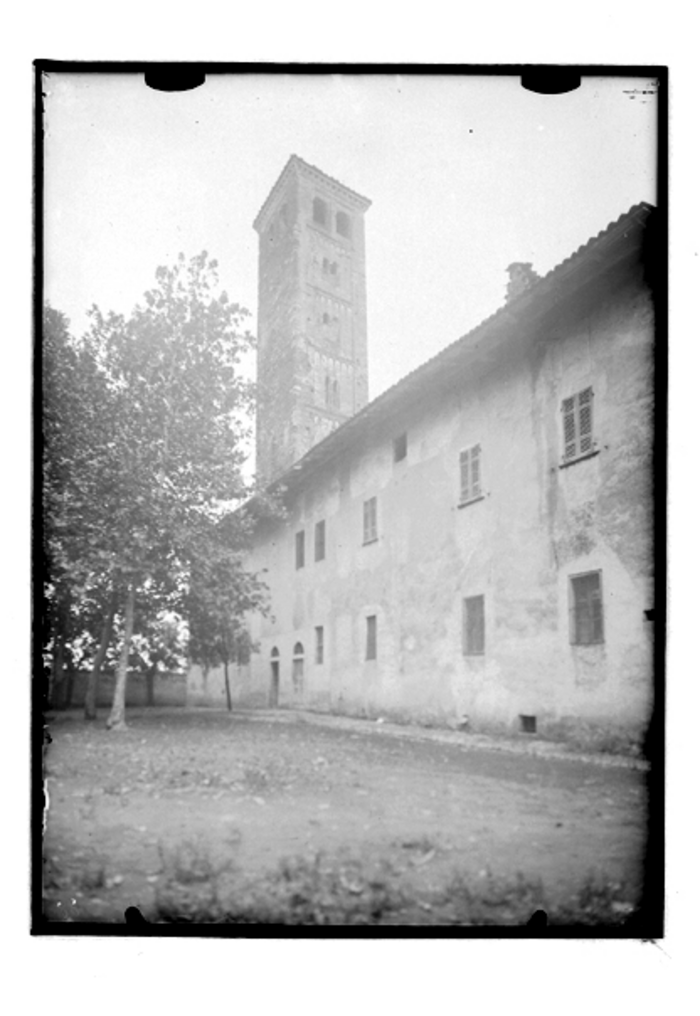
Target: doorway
[274,678]
[298,670]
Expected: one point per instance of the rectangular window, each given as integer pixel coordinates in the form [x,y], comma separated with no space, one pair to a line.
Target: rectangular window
[470,474]
[400,447]
[300,549]
[319,645]
[473,635]
[586,609]
[369,528]
[320,541]
[371,652]
[577,412]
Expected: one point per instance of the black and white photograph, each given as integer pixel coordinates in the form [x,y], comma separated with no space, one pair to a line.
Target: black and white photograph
[349,532]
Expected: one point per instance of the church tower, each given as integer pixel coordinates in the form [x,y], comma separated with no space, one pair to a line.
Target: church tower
[312,313]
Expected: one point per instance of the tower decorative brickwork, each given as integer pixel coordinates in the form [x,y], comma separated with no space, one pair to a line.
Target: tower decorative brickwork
[312,314]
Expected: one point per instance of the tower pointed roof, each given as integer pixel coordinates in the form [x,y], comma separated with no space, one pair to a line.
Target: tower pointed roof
[295,165]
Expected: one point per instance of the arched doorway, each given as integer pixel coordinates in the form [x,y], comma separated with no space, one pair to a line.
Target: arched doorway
[298,670]
[274,677]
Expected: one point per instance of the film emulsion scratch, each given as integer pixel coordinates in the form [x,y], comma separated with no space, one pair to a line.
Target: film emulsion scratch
[350,615]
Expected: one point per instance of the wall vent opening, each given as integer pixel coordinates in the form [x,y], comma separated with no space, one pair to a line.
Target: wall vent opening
[528,724]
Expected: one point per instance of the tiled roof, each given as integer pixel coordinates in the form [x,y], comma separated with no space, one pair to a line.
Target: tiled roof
[570,273]
[296,160]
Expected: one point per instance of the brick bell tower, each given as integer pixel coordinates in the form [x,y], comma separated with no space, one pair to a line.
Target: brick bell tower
[312,314]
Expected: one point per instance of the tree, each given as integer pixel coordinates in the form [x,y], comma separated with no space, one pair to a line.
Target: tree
[152,470]
[220,596]
[76,422]
[159,644]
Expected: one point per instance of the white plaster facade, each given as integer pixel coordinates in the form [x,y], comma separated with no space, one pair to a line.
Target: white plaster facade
[538,522]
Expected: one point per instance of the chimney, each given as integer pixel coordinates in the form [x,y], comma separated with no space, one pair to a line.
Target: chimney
[521,275]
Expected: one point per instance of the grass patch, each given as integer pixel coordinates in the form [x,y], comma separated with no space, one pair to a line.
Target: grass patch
[346,891]
[189,890]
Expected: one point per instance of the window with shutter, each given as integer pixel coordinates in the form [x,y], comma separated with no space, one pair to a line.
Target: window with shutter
[470,474]
[577,414]
[300,549]
[319,644]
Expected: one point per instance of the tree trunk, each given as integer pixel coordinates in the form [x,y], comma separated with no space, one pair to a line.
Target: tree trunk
[115,720]
[98,662]
[57,671]
[70,681]
[150,680]
[228,686]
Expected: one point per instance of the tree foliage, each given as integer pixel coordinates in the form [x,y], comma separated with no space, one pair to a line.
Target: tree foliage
[146,420]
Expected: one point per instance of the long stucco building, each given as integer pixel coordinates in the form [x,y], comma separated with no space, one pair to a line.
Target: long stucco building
[477,541]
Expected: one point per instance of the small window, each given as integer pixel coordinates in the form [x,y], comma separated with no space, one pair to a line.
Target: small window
[577,414]
[586,609]
[371,649]
[473,636]
[400,447]
[320,212]
[470,474]
[369,521]
[320,541]
[342,224]
[319,645]
[335,395]
[300,549]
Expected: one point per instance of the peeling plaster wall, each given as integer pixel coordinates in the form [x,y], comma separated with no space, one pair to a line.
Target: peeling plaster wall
[537,525]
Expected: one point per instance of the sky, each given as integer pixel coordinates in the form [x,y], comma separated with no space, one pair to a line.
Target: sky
[466,174]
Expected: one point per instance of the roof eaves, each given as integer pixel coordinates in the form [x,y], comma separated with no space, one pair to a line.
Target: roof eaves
[505,315]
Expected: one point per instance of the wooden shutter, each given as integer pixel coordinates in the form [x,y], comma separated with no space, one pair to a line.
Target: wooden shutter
[585,420]
[476,471]
[569,411]
[464,476]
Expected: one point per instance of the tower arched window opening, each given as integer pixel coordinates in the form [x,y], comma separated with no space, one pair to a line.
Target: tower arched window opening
[320,212]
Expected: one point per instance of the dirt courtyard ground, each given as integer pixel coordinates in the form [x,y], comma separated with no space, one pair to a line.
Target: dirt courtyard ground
[305,819]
